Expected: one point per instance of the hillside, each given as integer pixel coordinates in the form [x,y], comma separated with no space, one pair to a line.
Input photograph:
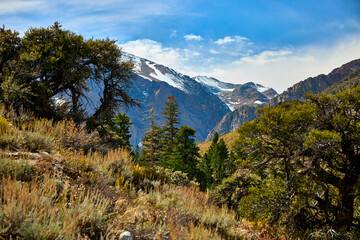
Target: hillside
[50,189]
[352,80]
[229,139]
[313,84]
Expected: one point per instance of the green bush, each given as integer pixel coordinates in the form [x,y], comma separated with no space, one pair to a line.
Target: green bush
[234,188]
[36,142]
[9,141]
[18,170]
[265,202]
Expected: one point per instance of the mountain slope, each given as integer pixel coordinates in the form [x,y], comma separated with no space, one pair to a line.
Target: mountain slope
[352,80]
[154,83]
[203,101]
[237,95]
[313,84]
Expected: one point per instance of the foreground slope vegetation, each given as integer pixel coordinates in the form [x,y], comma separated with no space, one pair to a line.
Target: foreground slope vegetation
[65,194]
[298,168]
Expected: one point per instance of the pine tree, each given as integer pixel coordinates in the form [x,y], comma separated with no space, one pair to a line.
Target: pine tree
[215,162]
[152,142]
[171,113]
[120,125]
[206,170]
[184,156]
[219,158]
[136,156]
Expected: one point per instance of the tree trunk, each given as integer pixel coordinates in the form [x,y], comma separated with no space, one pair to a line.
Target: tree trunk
[345,213]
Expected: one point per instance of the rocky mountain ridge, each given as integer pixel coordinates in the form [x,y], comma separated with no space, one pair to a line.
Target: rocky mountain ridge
[203,101]
[234,119]
[237,95]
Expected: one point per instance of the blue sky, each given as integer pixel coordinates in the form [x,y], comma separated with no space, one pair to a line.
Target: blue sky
[275,43]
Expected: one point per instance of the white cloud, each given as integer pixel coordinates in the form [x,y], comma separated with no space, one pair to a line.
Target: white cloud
[283,68]
[213,51]
[173,33]
[266,57]
[230,39]
[178,59]
[193,37]
[16,6]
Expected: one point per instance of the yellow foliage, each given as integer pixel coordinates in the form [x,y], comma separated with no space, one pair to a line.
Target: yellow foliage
[4,125]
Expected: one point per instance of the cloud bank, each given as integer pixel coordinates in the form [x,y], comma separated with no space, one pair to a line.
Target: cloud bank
[280,68]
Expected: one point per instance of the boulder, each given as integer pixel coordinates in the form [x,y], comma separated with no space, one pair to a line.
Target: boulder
[126,235]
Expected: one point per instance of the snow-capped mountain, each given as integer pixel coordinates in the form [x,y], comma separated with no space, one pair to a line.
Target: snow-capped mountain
[156,72]
[237,95]
[214,85]
[154,83]
[246,113]
[203,101]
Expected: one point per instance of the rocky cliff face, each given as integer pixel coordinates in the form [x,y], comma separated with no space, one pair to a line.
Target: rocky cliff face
[317,84]
[233,120]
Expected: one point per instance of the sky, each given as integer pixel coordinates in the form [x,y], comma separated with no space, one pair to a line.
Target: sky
[274,43]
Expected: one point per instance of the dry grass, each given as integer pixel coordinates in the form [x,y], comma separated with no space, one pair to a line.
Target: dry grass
[172,212]
[92,195]
[50,210]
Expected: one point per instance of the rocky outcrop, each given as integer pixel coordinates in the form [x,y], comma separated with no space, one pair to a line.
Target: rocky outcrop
[234,119]
[126,235]
[315,84]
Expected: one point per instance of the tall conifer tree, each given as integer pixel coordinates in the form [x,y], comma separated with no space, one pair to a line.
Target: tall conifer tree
[171,113]
[184,156]
[152,141]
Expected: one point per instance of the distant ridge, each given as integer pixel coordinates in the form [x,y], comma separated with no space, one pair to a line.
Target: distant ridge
[233,120]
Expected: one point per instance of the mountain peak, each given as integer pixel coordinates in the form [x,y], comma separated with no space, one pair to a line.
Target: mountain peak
[203,100]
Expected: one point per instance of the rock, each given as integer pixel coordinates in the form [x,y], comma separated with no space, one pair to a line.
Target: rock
[46,156]
[21,155]
[33,155]
[126,235]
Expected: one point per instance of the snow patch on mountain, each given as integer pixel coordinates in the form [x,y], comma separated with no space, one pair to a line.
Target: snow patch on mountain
[164,77]
[215,86]
[212,82]
[231,105]
[135,60]
[261,88]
